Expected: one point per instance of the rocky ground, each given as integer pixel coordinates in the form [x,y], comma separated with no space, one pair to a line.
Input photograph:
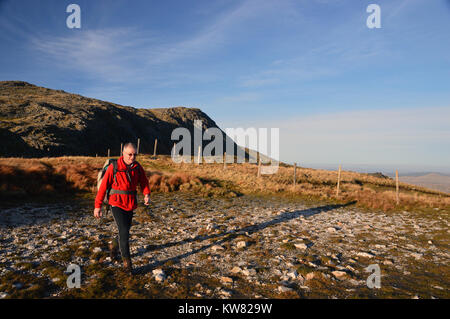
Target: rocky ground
[243,247]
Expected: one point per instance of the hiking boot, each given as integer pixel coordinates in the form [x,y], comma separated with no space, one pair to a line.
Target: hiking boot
[127,266]
[114,250]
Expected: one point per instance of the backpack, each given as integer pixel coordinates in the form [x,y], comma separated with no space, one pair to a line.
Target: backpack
[101,174]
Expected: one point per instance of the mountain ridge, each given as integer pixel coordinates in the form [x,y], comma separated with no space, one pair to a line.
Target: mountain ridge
[37,121]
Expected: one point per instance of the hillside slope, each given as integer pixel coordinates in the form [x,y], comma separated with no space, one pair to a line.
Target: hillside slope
[37,121]
[432,180]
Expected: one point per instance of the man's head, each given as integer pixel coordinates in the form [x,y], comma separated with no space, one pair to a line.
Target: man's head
[129,153]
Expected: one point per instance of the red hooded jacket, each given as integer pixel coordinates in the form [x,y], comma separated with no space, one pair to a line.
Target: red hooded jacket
[127,182]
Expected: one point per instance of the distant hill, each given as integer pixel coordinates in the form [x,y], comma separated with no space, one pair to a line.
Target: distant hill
[37,122]
[435,181]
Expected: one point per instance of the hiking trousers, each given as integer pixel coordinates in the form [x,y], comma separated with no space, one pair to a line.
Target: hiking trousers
[123,220]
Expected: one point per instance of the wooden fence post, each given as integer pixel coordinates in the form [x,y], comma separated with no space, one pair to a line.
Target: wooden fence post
[154,149]
[339,181]
[259,167]
[108,152]
[121,148]
[396,186]
[139,142]
[199,154]
[225,161]
[295,173]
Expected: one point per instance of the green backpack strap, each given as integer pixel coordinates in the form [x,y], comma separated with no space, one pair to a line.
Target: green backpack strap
[115,169]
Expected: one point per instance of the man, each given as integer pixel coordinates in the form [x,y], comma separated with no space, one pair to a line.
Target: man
[123,199]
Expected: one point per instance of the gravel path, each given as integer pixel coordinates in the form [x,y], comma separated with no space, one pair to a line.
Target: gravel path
[280,245]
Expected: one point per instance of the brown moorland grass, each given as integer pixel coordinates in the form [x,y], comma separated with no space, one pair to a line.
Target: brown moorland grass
[79,174]
[71,174]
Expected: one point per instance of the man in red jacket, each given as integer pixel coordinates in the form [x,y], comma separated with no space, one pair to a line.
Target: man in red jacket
[123,198]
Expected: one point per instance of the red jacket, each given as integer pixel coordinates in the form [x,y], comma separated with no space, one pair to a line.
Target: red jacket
[124,201]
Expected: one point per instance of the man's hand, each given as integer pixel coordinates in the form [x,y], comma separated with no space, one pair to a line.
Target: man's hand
[97,212]
[146,199]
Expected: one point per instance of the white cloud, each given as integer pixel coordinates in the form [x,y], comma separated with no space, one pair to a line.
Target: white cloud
[104,54]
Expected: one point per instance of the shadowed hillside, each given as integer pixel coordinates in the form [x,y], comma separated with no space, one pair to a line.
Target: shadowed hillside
[37,121]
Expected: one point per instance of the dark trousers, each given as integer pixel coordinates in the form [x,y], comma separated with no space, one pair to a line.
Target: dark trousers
[123,220]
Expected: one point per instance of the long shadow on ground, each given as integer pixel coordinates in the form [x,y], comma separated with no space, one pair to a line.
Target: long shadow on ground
[230,235]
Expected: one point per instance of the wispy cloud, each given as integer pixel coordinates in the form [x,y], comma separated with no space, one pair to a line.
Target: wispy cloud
[104,54]
[127,53]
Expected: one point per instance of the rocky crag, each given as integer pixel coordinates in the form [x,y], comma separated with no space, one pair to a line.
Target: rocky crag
[40,122]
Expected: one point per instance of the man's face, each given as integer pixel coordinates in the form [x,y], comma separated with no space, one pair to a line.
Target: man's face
[129,155]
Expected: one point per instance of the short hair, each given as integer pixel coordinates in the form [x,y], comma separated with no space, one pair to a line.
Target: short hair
[129,144]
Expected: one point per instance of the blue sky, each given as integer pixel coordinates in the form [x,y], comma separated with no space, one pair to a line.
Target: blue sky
[339,91]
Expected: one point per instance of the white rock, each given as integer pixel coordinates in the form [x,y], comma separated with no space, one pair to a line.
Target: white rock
[284,289]
[160,277]
[293,274]
[305,287]
[339,274]
[364,254]
[97,250]
[241,244]
[216,248]
[331,229]
[300,246]
[157,271]
[417,255]
[3,295]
